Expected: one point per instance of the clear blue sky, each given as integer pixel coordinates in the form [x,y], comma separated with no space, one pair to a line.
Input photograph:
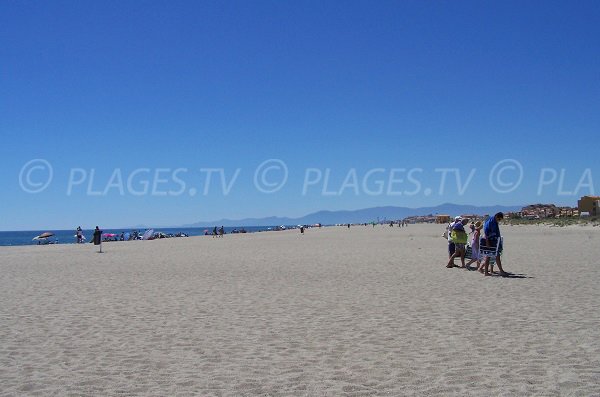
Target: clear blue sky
[341,85]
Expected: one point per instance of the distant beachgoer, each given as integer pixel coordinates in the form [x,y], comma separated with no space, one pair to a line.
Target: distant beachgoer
[301,229]
[491,230]
[97,236]
[221,231]
[79,235]
[348,226]
[214,232]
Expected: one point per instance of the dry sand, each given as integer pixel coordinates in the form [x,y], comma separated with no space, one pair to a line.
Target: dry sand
[335,312]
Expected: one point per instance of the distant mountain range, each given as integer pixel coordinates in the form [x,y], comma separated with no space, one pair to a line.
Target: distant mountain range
[359,216]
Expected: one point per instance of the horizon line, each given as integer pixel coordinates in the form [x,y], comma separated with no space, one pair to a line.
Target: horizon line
[191,225]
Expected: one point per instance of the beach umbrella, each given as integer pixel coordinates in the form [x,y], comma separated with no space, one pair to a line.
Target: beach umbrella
[148,234]
[43,236]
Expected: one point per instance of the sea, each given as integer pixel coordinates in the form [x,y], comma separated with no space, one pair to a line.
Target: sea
[68,236]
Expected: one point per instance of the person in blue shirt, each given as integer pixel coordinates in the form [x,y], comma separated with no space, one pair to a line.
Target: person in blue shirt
[491,229]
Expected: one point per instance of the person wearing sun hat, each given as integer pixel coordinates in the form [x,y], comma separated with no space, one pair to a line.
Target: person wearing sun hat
[475,245]
[451,245]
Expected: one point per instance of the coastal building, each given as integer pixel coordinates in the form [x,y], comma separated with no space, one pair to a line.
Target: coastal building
[442,219]
[421,219]
[539,211]
[589,204]
[568,212]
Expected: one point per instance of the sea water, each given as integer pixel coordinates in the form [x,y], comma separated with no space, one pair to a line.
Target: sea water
[68,236]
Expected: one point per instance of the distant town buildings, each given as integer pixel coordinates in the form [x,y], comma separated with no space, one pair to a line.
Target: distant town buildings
[421,219]
[587,205]
[443,218]
[539,211]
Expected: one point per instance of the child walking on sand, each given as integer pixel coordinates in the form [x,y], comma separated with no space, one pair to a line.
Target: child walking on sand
[475,245]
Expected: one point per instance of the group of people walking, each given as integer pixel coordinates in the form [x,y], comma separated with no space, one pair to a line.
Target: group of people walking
[459,242]
[218,233]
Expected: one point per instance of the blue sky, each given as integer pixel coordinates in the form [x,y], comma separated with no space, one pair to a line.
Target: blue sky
[347,86]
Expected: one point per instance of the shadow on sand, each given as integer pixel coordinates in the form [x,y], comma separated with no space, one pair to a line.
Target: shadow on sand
[496,274]
[511,275]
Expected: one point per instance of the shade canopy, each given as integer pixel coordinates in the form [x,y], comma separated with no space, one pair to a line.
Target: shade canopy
[43,236]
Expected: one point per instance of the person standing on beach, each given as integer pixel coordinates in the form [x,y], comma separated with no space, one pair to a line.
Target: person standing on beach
[214,233]
[97,236]
[451,246]
[221,231]
[79,235]
[491,229]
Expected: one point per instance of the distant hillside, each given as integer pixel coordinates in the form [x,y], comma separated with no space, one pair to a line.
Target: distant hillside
[359,216]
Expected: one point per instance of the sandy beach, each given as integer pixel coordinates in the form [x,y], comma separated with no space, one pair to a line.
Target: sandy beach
[335,312]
